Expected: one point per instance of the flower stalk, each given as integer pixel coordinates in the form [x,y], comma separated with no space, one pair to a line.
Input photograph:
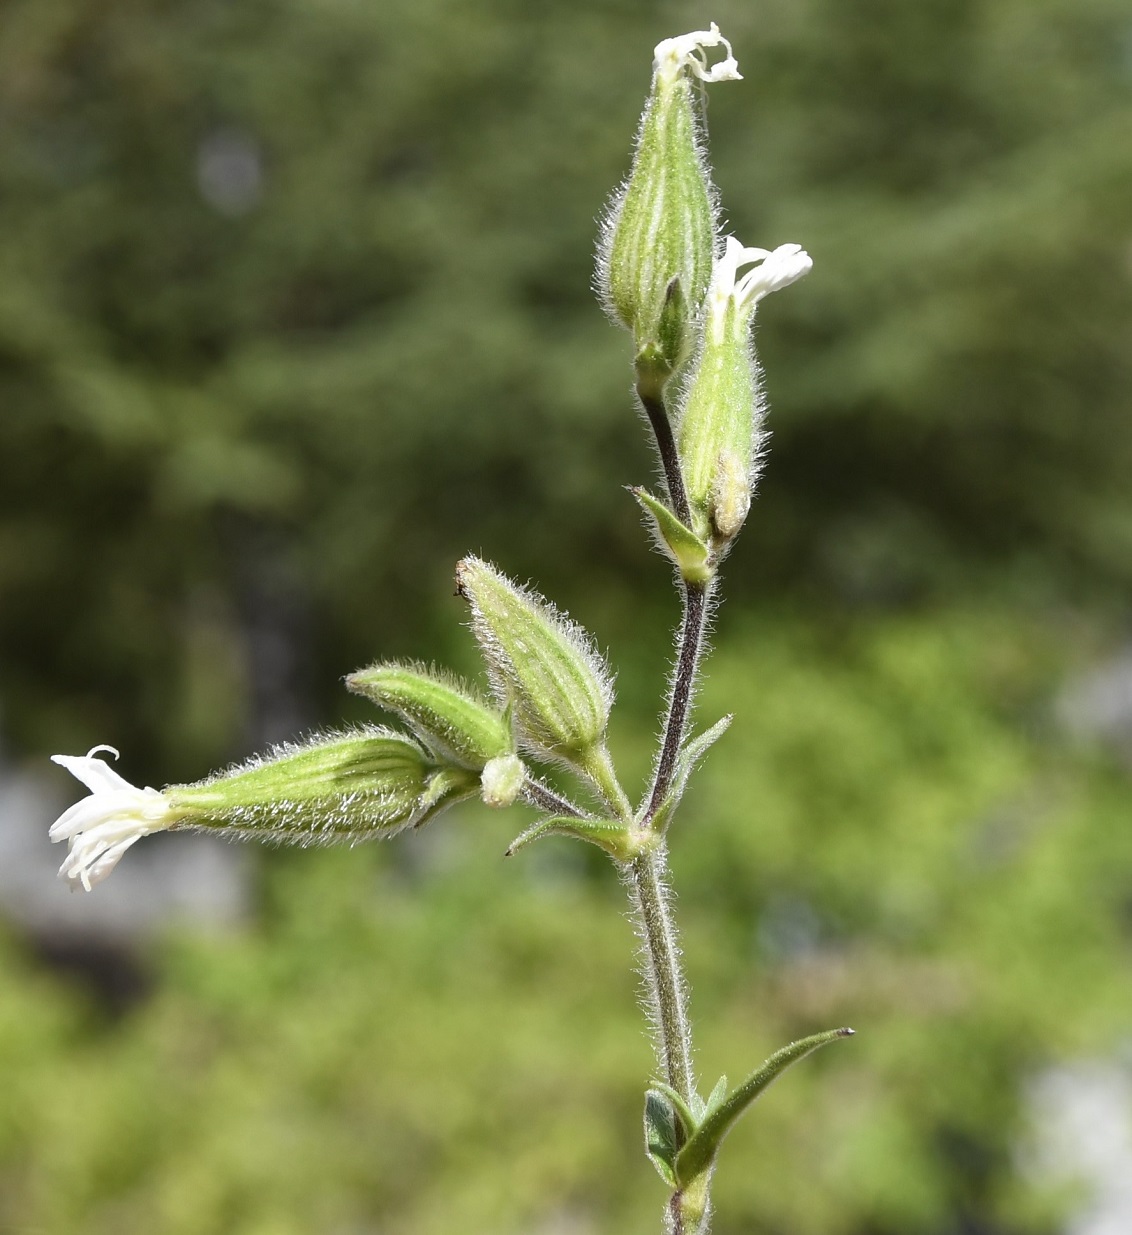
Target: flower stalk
[688,296]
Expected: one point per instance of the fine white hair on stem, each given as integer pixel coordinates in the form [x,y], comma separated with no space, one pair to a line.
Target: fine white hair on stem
[664,991]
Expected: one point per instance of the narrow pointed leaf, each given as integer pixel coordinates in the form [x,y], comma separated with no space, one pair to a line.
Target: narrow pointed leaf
[686,763]
[716,1096]
[698,1153]
[682,545]
[619,840]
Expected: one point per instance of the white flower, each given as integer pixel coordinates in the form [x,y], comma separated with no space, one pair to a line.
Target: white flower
[775,270]
[686,51]
[103,826]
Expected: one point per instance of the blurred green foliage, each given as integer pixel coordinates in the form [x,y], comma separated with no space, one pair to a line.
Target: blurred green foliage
[294,311]
[421,1037]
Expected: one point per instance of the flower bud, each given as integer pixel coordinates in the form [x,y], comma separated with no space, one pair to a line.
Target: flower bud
[502,780]
[658,237]
[540,662]
[442,711]
[720,423]
[342,787]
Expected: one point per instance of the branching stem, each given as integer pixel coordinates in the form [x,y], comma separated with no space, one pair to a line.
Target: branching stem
[544,798]
[649,872]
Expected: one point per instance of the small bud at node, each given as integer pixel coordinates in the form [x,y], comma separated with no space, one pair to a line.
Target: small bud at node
[502,780]
[731,498]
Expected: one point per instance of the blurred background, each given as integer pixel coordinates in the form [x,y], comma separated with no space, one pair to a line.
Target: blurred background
[295,311]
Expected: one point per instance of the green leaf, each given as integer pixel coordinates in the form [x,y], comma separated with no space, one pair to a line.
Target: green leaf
[620,840]
[660,1135]
[698,1154]
[715,1097]
[687,1121]
[682,545]
[686,763]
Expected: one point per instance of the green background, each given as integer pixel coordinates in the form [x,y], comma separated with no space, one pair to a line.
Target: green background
[275,415]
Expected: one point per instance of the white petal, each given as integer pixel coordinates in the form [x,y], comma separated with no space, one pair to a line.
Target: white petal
[726,270]
[96,774]
[93,810]
[104,825]
[686,51]
[786,265]
[90,865]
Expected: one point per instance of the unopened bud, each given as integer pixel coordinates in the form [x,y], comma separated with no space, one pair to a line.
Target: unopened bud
[442,711]
[658,238]
[731,496]
[720,423]
[342,787]
[502,780]
[540,662]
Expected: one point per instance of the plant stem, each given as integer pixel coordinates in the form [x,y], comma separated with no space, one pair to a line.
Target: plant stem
[545,798]
[599,767]
[682,690]
[649,872]
[657,413]
[665,977]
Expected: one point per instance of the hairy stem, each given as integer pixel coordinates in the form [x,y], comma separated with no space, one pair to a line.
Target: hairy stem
[681,692]
[667,988]
[535,793]
[657,413]
[662,970]
[599,767]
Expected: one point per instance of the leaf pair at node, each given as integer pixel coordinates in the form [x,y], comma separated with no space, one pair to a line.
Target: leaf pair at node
[682,1142]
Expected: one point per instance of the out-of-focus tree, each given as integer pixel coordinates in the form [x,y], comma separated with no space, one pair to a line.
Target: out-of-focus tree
[259,263]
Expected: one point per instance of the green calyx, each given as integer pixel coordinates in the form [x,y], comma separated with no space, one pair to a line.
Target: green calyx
[340,787]
[718,436]
[656,256]
[540,663]
[443,712]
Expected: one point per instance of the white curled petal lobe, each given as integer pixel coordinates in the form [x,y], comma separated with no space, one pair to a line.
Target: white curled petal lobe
[104,825]
[688,51]
[96,774]
[786,265]
[772,270]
